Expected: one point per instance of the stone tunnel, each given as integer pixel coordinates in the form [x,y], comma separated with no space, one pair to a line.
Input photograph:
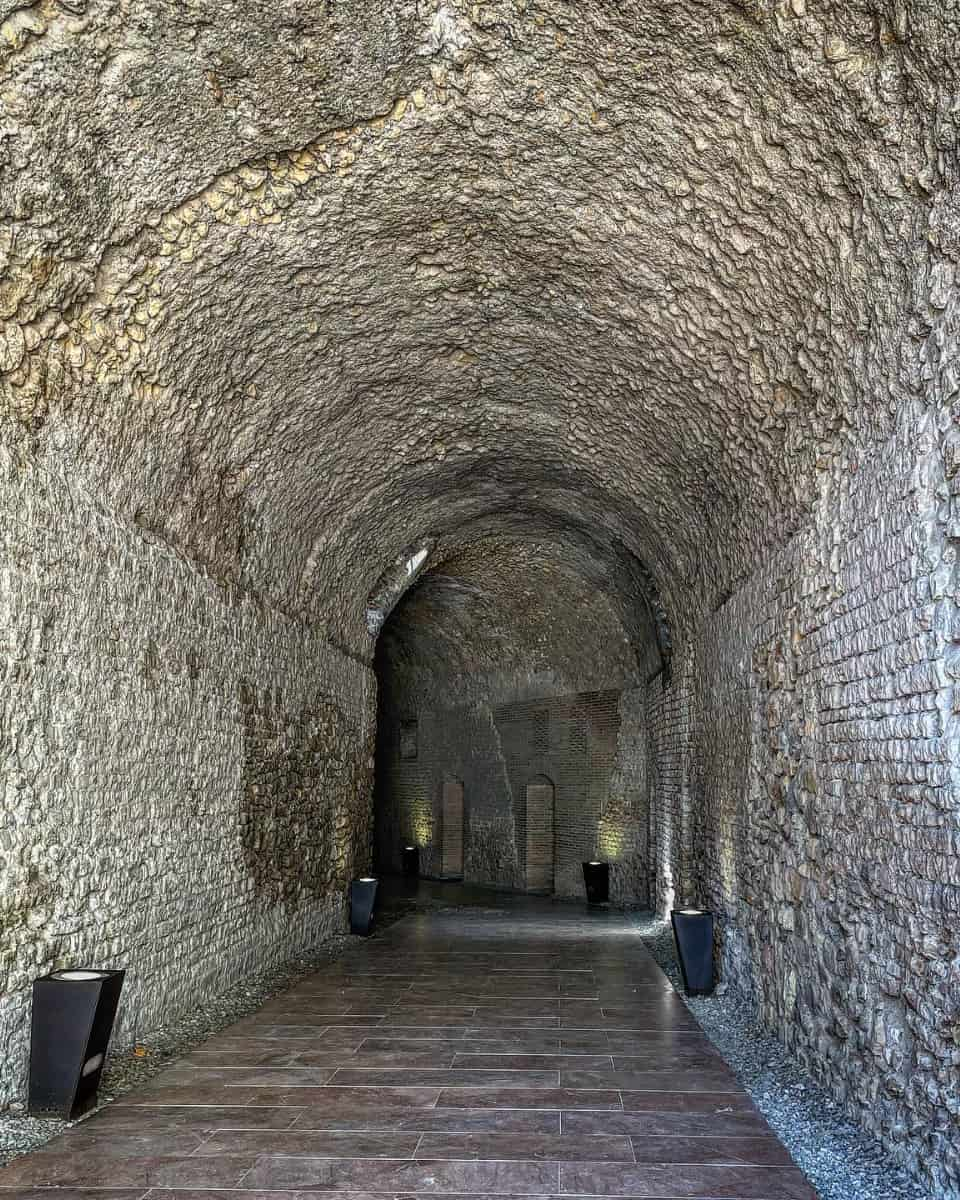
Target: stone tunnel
[524,429]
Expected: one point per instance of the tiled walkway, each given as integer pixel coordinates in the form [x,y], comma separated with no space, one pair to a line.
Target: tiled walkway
[518,1049]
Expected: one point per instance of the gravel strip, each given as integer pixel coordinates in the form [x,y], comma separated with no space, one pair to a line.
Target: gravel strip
[20,1135]
[132,1066]
[840,1159]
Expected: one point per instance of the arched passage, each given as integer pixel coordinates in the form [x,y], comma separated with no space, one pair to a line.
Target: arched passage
[524,658]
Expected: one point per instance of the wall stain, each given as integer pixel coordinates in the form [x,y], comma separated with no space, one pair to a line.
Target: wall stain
[304,796]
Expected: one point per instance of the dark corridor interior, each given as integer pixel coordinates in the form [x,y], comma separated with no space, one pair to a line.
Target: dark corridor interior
[582,379]
[513,735]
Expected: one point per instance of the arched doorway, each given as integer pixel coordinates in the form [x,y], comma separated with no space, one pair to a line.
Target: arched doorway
[451,845]
[540,834]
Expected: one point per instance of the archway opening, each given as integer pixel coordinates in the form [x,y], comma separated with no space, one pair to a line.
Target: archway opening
[513,683]
[540,838]
[451,829]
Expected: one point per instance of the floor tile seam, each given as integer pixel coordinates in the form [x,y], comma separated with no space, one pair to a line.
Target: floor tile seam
[769,1135]
[488,1001]
[515,1028]
[266,1156]
[492,971]
[497,953]
[454,1041]
[53,1188]
[547,1108]
[686,1029]
[212,1132]
[210,1136]
[634,1196]
[779,1168]
[712,1091]
[271,1155]
[476,1070]
[624,1029]
[504,996]
[768,1141]
[533,1054]
[440,1132]
[202,1104]
[187,1062]
[239,1185]
[474,966]
[154,1191]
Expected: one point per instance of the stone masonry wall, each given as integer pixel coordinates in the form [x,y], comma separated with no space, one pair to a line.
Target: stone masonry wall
[828,822]
[185,771]
[591,746]
[454,742]
[667,722]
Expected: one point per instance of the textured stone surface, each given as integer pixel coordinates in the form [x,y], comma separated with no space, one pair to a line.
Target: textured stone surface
[152,817]
[641,319]
[586,234]
[828,833]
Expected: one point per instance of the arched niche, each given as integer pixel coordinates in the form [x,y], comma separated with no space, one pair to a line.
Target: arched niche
[540,826]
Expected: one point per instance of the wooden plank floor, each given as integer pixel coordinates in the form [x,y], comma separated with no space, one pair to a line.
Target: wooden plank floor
[517,1048]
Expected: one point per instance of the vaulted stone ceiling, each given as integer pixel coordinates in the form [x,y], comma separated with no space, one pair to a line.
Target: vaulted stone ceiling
[515,607]
[294,285]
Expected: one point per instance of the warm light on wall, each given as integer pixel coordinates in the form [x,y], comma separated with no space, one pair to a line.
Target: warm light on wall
[610,841]
[728,867]
[668,892]
[669,895]
[422,831]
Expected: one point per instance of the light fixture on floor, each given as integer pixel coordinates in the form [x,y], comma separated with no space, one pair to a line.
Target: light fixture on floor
[73,1015]
[596,879]
[411,860]
[363,895]
[693,934]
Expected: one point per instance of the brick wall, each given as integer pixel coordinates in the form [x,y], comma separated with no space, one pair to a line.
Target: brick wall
[587,745]
[826,814]
[666,703]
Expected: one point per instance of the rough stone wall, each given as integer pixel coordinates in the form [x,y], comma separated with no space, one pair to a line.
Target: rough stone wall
[623,837]
[511,662]
[458,741]
[623,282]
[186,772]
[667,706]
[662,237]
[595,761]
[823,773]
